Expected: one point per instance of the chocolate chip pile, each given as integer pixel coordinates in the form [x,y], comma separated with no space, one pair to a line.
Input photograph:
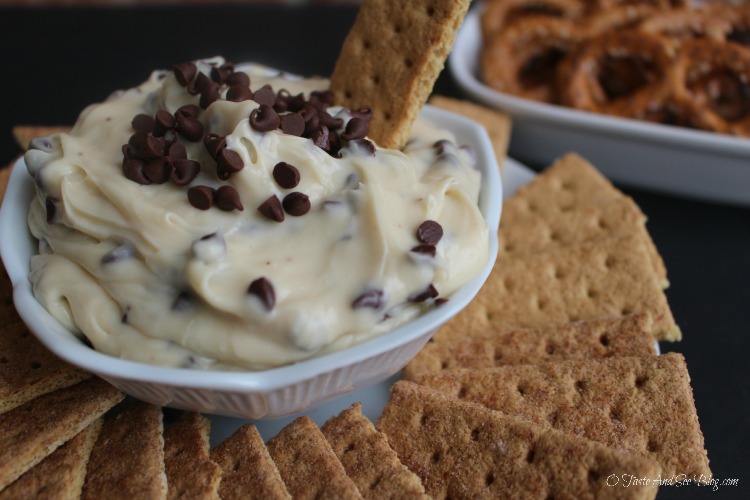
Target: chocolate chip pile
[155,155]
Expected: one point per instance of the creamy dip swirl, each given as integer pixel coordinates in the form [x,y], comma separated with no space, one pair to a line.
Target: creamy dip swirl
[144,275]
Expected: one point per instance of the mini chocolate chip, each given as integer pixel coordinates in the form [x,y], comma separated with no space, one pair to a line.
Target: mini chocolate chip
[271,209]
[142,123]
[158,170]
[190,110]
[184,171]
[214,144]
[263,289]
[133,170]
[264,118]
[209,95]
[312,123]
[321,98]
[124,251]
[163,121]
[334,144]
[201,197]
[279,105]
[239,93]
[238,78]
[190,128]
[264,95]
[185,72]
[227,198]
[293,124]
[177,151]
[286,175]
[365,146]
[296,204]
[219,74]
[329,121]
[50,204]
[146,146]
[429,232]
[229,161]
[364,113]
[294,103]
[429,293]
[443,146]
[183,302]
[200,83]
[320,138]
[440,301]
[424,250]
[356,128]
[370,299]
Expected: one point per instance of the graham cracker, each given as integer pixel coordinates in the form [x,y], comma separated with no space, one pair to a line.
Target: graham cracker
[464,450]
[23,134]
[128,458]
[27,368]
[60,475]
[593,339]
[391,59]
[307,463]
[248,471]
[31,432]
[4,178]
[496,123]
[368,459]
[640,404]
[612,277]
[190,471]
[571,202]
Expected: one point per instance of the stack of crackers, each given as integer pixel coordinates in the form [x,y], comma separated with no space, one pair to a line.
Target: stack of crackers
[547,385]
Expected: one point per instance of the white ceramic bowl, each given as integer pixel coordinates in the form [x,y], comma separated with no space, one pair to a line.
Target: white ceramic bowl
[255,395]
[670,159]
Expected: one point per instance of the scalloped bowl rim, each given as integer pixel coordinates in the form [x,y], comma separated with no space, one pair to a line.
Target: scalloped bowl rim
[17,246]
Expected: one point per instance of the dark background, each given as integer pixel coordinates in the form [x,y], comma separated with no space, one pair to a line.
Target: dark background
[54,62]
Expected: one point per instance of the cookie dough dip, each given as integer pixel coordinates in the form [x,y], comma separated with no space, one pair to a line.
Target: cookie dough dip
[231,217]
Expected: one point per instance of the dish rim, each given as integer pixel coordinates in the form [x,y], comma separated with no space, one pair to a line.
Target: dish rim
[17,246]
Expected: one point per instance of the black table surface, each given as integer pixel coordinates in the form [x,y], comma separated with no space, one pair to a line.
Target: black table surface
[56,61]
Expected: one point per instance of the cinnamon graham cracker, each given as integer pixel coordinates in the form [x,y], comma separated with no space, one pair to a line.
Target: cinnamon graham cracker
[27,368]
[496,123]
[597,338]
[608,277]
[571,202]
[128,458]
[465,450]
[307,463]
[391,59]
[61,474]
[248,471]
[368,459]
[640,404]
[31,432]
[190,471]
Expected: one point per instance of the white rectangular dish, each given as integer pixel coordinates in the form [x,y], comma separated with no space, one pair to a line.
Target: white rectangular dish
[657,157]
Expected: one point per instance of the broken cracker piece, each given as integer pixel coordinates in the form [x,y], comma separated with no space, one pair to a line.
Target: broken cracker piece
[61,474]
[391,59]
[465,450]
[190,471]
[601,278]
[496,123]
[593,339]
[29,433]
[127,460]
[248,471]
[308,465]
[572,202]
[368,459]
[28,369]
[640,404]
